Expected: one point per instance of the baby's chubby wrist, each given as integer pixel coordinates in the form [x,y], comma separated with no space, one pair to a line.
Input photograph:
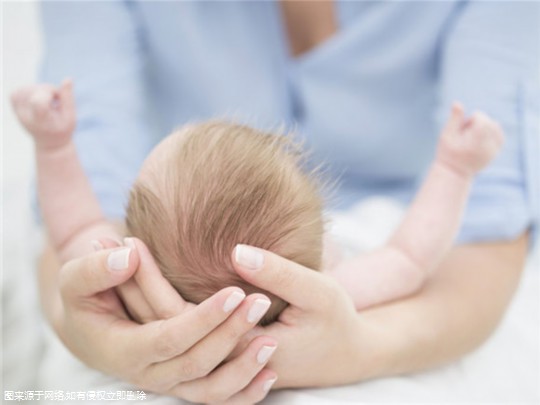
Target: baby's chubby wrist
[56,152]
[444,162]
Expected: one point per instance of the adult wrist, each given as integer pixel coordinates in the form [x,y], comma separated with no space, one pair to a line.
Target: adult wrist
[372,350]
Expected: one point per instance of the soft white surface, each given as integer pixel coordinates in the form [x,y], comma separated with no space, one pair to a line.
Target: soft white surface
[505,369]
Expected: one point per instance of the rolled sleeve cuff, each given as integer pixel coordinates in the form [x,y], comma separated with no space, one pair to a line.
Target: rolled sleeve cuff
[485,224]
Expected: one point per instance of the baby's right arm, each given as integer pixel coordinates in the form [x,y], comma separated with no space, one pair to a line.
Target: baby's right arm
[69,207]
[431,223]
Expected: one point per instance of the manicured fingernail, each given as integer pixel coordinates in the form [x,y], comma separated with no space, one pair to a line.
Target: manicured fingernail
[119,259]
[257,310]
[233,301]
[129,242]
[248,257]
[268,384]
[97,245]
[264,354]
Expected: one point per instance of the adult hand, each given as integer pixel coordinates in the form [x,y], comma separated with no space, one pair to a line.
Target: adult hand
[179,355]
[319,335]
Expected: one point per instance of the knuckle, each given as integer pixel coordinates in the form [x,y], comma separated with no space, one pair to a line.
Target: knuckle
[332,294]
[165,347]
[284,276]
[64,280]
[232,332]
[166,313]
[89,269]
[189,369]
[326,301]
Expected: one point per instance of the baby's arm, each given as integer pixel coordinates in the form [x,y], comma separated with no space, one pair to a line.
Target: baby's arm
[69,207]
[433,220]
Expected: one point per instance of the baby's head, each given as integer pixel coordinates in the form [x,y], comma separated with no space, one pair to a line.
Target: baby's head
[208,187]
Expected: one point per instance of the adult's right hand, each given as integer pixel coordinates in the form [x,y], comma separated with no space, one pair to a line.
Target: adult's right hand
[180,356]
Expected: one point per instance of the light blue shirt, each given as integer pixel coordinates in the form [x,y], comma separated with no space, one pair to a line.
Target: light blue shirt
[370,101]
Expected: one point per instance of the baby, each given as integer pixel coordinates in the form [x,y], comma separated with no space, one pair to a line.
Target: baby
[208,187]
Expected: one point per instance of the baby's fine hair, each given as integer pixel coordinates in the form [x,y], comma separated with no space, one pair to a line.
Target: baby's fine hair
[225,184]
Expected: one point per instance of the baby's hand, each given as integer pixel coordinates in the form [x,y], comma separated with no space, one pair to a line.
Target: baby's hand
[468,145]
[47,112]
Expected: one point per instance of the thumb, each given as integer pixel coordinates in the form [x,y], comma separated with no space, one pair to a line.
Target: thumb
[97,272]
[67,100]
[455,121]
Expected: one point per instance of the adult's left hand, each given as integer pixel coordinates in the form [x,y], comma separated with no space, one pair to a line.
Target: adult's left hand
[319,334]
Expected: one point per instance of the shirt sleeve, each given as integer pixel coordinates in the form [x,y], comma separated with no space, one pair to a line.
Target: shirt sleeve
[489,61]
[98,45]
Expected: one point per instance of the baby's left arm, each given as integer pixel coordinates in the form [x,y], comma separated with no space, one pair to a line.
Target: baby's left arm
[431,223]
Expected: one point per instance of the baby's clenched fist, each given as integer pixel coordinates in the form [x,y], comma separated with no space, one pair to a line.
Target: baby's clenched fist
[47,112]
[468,145]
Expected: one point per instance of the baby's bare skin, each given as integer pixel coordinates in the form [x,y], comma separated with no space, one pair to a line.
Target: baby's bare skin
[70,210]
[431,223]
[398,269]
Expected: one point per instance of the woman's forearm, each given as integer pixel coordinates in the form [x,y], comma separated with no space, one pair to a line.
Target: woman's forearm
[458,309]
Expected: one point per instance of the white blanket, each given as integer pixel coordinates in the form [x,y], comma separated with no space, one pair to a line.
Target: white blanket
[505,369]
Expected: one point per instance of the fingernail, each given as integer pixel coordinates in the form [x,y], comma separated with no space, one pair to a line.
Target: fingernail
[257,310]
[264,354]
[97,245]
[233,301]
[129,242]
[248,257]
[268,384]
[119,259]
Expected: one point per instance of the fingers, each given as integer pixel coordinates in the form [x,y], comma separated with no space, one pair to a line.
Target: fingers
[148,296]
[158,291]
[296,284]
[41,99]
[205,322]
[257,389]
[135,302]
[209,352]
[38,100]
[484,127]
[19,101]
[234,377]
[97,272]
